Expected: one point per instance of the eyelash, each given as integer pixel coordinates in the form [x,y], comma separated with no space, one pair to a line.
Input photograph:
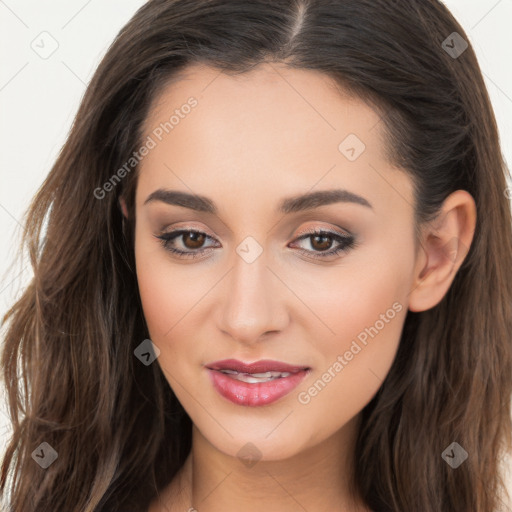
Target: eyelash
[347,242]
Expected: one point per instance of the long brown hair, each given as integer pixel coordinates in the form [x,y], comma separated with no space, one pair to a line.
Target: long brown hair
[70,373]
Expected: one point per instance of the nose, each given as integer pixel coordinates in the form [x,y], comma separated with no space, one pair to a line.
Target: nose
[253,301]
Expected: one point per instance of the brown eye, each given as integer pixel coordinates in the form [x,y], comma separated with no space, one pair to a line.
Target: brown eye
[321,242]
[193,239]
[186,243]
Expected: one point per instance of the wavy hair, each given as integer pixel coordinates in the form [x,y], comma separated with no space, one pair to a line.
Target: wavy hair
[67,361]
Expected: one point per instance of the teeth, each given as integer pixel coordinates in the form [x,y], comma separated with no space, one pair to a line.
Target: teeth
[244,377]
[254,378]
[270,374]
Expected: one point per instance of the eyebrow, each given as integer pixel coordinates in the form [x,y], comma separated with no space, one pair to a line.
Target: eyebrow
[288,205]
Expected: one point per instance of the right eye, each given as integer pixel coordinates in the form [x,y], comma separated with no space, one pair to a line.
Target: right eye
[191,242]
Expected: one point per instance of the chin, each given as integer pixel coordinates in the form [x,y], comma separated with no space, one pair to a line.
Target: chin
[260,444]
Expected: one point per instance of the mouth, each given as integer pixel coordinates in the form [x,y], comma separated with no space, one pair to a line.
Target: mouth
[254,378]
[255,384]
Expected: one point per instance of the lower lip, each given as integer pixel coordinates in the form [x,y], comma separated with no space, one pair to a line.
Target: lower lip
[260,393]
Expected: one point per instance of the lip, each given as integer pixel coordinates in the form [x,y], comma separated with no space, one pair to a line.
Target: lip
[262,366]
[255,394]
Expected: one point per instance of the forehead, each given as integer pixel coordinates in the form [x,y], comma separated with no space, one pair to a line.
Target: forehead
[270,128]
[268,98]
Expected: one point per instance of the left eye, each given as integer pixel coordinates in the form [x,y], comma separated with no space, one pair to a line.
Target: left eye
[192,242]
[321,241]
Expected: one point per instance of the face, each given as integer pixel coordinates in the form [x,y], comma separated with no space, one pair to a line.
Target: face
[258,274]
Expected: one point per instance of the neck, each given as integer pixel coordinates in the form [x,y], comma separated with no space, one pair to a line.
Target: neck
[315,479]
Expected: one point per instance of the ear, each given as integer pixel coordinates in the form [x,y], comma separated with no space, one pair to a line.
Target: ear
[124,209]
[444,245]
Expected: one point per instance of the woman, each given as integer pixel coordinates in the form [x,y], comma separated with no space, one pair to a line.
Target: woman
[274,274]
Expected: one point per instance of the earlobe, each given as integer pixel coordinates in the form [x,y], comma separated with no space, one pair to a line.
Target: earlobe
[124,209]
[445,244]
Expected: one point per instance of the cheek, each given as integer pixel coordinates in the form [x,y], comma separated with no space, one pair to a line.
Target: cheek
[365,311]
[372,300]
[162,306]
[158,296]
[351,301]
[362,314]
[355,360]
[167,291]
[173,298]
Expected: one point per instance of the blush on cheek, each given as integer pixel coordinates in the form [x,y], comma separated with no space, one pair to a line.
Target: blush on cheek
[368,336]
[161,297]
[173,303]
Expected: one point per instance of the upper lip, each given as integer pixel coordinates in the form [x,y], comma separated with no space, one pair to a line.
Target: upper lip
[262,366]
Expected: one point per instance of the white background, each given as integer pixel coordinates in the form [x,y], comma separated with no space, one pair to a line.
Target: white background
[39,97]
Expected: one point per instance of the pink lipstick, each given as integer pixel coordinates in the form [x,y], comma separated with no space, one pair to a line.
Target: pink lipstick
[254,384]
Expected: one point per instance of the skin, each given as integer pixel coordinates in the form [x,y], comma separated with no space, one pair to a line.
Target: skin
[284,305]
